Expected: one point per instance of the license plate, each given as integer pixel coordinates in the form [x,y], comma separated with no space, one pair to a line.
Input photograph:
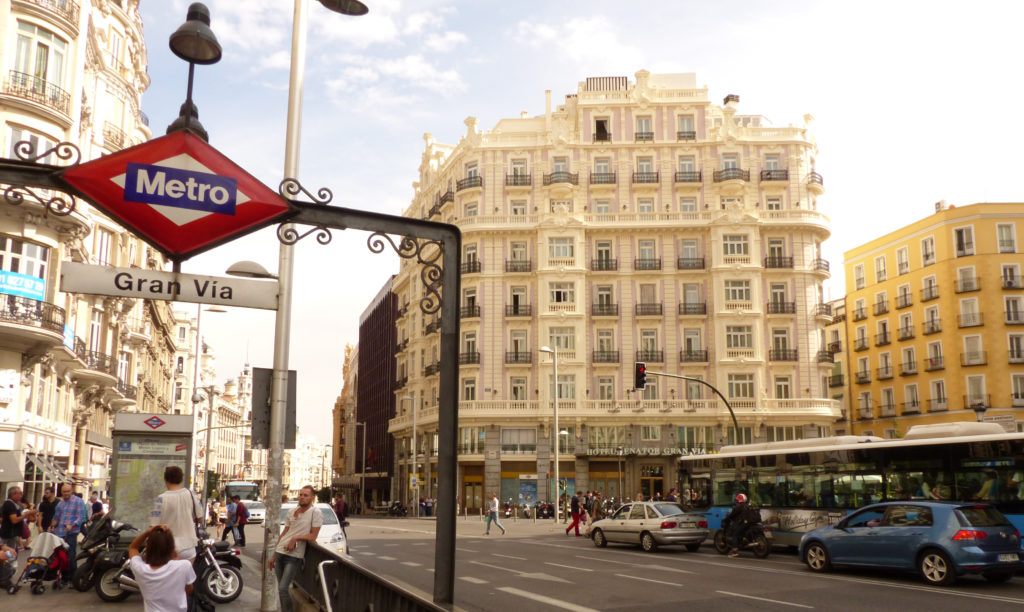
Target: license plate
[1009,557]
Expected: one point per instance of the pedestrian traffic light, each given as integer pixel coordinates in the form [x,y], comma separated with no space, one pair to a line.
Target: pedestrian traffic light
[640,375]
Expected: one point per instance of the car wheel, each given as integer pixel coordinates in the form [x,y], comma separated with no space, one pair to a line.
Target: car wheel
[936,568]
[720,544]
[816,557]
[599,540]
[998,577]
[693,547]
[647,542]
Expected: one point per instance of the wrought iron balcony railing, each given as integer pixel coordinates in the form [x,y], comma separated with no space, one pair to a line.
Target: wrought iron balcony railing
[470,267]
[113,136]
[836,380]
[652,356]
[643,136]
[469,182]
[649,309]
[863,377]
[815,179]
[906,333]
[602,178]
[693,308]
[775,307]
[690,263]
[778,262]
[573,178]
[973,358]
[646,177]
[603,264]
[782,355]
[693,356]
[881,308]
[686,135]
[29,87]
[775,175]
[689,176]
[820,265]
[518,180]
[605,357]
[903,300]
[825,357]
[33,313]
[970,319]
[604,310]
[882,338]
[731,174]
[970,283]
[653,263]
[602,137]
[933,363]
[823,310]
[930,292]
[518,265]
[518,310]
[932,326]
[518,357]
[885,372]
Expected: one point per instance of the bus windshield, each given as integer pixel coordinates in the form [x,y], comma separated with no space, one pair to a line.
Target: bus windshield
[248,491]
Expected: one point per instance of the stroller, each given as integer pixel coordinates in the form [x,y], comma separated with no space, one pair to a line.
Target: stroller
[48,561]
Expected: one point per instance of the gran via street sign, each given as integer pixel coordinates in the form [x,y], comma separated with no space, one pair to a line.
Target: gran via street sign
[157,285]
[178,193]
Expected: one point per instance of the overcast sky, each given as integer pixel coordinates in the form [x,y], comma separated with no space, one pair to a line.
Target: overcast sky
[908,100]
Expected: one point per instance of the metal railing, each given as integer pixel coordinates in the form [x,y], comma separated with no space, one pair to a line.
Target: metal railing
[934,363]
[38,90]
[518,180]
[782,355]
[469,357]
[693,356]
[647,263]
[825,357]
[690,263]
[469,311]
[603,264]
[518,265]
[863,377]
[646,177]
[820,265]
[34,313]
[836,380]
[906,333]
[882,338]
[731,174]
[932,326]
[693,308]
[469,182]
[448,196]
[970,283]
[881,308]
[518,310]
[815,179]
[688,176]
[930,292]
[573,178]
[778,262]
[643,136]
[775,175]
[649,309]
[605,357]
[686,135]
[651,355]
[970,319]
[885,372]
[603,178]
[604,309]
[113,136]
[775,307]
[904,300]
[514,357]
[602,137]
[469,267]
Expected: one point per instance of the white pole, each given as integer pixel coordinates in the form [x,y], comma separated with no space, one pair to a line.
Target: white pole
[415,456]
[362,479]
[558,436]
[195,388]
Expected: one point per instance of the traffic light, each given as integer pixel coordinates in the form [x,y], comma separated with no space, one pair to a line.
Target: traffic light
[640,375]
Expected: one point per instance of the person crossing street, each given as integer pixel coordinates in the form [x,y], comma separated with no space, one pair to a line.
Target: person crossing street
[492,515]
[575,507]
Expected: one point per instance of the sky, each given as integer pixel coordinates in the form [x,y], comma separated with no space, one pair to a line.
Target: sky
[907,99]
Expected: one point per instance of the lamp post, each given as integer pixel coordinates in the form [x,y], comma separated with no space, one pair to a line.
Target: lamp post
[415,456]
[283,319]
[210,391]
[558,494]
[323,465]
[618,465]
[195,43]
[195,373]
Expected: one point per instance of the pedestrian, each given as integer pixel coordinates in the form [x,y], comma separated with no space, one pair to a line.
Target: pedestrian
[179,509]
[214,519]
[241,520]
[575,507]
[672,497]
[46,509]
[14,513]
[492,515]
[231,524]
[639,497]
[95,506]
[164,580]
[339,507]
[68,518]
[301,525]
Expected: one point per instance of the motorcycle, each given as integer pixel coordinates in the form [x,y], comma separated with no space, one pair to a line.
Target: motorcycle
[508,509]
[544,510]
[103,535]
[527,511]
[218,569]
[397,509]
[755,538]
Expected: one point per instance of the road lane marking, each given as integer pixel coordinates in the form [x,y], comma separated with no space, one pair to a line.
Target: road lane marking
[582,569]
[419,543]
[391,545]
[667,569]
[510,557]
[472,580]
[604,560]
[464,550]
[383,558]
[535,575]
[649,580]
[551,601]
[784,603]
[412,564]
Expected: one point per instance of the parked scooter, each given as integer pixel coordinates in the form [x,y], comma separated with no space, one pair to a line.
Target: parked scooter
[103,535]
[218,569]
[397,509]
[527,511]
[509,511]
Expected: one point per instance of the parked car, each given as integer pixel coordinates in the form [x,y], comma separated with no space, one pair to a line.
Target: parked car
[332,533]
[257,511]
[651,524]
[938,540]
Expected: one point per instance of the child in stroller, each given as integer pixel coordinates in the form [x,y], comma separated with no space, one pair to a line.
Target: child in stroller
[8,565]
[48,561]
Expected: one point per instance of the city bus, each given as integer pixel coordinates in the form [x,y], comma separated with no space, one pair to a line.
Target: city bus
[248,491]
[801,485]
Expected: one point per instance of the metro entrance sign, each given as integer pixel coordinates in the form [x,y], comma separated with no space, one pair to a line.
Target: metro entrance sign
[178,193]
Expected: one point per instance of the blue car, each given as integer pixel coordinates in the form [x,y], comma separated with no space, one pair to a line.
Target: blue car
[938,540]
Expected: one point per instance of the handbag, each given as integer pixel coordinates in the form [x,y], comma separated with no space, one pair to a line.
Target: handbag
[25,533]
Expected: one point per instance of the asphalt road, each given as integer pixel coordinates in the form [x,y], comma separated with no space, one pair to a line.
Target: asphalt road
[536,567]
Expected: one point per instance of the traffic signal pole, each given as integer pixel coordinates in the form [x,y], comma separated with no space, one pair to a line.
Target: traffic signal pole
[735,424]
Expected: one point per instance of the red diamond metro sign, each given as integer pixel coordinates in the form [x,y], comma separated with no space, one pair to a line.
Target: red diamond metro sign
[178,193]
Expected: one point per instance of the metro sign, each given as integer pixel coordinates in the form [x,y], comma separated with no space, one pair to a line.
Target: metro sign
[154,422]
[178,193]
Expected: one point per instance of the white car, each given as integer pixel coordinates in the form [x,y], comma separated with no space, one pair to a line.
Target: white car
[331,536]
[257,511]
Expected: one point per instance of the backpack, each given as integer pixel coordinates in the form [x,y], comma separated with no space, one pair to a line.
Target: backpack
[246,515]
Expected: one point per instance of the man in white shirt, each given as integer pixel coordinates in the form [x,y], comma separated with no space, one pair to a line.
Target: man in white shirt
[301,525]
[180,510]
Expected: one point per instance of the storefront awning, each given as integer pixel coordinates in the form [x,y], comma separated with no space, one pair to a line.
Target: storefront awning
[11,469]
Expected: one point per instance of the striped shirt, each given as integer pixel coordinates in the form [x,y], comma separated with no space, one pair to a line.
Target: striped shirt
[69,512]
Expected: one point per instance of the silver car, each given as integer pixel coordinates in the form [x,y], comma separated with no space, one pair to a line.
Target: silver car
[651,524]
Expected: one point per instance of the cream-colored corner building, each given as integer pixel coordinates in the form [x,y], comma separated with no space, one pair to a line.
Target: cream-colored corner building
[73,71]
[935,321]
[633,221]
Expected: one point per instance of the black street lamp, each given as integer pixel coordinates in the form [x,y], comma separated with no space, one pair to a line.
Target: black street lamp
[195,43]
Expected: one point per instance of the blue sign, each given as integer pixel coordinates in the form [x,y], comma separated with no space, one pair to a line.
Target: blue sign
[13,283]
[124,446]
[180,188]
[69,337]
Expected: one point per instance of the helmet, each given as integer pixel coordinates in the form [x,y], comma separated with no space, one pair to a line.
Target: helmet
[741,499]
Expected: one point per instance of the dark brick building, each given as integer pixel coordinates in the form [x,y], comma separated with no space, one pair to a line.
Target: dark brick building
[375,396]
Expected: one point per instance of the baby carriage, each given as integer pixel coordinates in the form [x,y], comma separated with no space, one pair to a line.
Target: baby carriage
[48,561]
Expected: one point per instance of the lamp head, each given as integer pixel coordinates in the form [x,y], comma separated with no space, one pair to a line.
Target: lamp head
[355,8]
[248,269]
[194,41]
[546,349]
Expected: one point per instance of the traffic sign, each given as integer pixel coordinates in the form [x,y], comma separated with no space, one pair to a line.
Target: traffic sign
[178,193]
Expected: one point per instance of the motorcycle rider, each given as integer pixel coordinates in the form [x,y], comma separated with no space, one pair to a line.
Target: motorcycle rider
[736,523]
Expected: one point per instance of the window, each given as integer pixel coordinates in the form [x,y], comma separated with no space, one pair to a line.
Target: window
[784,434]
[880,269]
[771,162]
[686,164]
[650,433]
[603,207]
[604,295]
[1011,276]
[605,340]
[910,398]
[469,342]
[1016,348]
[648,340]
[700,437]
[566,386]
[691,340]
[776,250]
[605,436]
[518,208]
[927,251]
[518,251]
[560,164]
[605,388]
[469,253]
[469,298]
[1006,238]
[602,132]
[518,297]
[963,238]
[938,391]
[96,331]
[969,314]
[602,165]
[25,259]
[741,386]
[563,338]
[782,388]
[858,276]
[686,130]
[644,165]
[471,209]
[645,249]
[976,391]
[645,205]
[554,204]
[180,365]
[519,167]
[644,130]
[1014,311]
[780,339]
[518,440]
[1017,389]
[902,260]
[691,293]
[735,244]
[562,293]
[746,436]
[773,204]
[472,170]
[39,59]
[517,387]
[730,161]
[468,389]
[560,247]
[687,205]
[648,293]
[737,291]
[739,336]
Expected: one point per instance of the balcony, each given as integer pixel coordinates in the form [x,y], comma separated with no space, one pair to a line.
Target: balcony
[690,263]
[555,178]
[432,327]
[939,404]
[908,368]
[128,391]
[643,136]
[469,182]
[774,175]
[686,135]
[693,356]
[825,357]
[782,355]
[467,312]
[1012,282]
[731,174]
[693,308]
[932,326]
[859,314]
[1017,399]
[886,410]
[880,308]
[518,180]
[113,136]
[977,402]
[1014,317]
[906,333]
[448,196]
[604,310]
[1016,355]
[648,310]
[836,380]
[823,310]
[775,307]
[651,356]
[884,372]
[969,319]
[401,382]
[95,361]
[470,267]
[646,177]
[820,265]
[605,357]
[778,262]
[518,357]
[863,377]
[970,283]
[604,265]
[603,178]
[35,89]
[431,369]
[815,183]
[647,263]
[911,407]
[518,265]
[904,300]
[518,310]
[31,313]
[689,176]
[931,292]
[602,137]
[861,344]
[882,338]
[934,363]
[835,347]
[1007,246]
